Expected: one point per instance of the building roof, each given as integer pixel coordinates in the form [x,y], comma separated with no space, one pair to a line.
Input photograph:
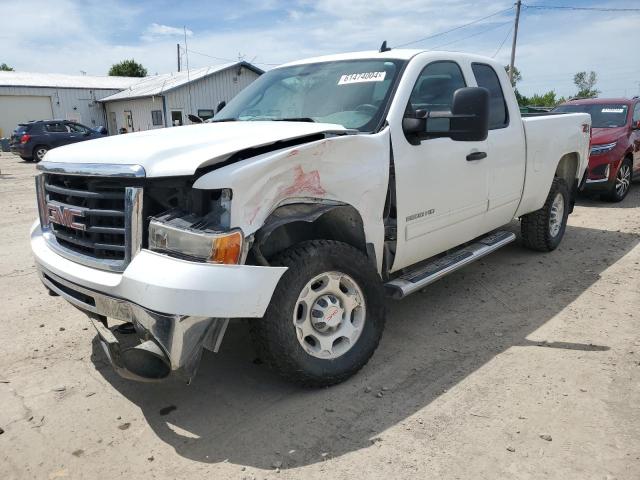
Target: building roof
[159,84]
[57,80]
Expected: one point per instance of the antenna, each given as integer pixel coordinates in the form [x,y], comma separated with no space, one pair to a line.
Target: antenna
[384,48]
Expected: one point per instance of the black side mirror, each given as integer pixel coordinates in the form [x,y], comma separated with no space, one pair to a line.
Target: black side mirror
[194,118]
[220,106]
[415,124]
[468,119]
[470,114]
[636,125]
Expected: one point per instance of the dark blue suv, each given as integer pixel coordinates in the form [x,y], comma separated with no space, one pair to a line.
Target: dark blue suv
[34,139]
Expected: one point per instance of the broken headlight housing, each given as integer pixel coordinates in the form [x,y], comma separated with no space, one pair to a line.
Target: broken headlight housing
[195,236]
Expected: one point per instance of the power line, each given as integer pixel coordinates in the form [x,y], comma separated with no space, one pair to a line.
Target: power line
[495,27]
[591,9]
[454,29]
[502,43]
[229,59]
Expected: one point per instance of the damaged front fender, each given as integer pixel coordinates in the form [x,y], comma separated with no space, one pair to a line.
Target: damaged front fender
[351,170]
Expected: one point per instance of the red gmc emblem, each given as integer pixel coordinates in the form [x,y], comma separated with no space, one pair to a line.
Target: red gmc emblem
[65,216]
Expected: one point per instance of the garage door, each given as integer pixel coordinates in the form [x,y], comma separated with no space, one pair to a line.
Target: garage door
[15,109]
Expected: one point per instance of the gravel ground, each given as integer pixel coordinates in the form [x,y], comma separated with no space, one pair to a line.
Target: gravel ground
[522,365]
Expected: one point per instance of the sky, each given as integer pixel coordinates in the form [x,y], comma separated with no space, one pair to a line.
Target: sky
[68,36]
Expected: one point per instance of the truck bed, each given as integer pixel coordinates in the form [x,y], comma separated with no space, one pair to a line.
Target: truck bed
[544,148]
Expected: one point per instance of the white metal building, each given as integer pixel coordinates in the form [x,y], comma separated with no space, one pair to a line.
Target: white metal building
[42,96]
[166,100]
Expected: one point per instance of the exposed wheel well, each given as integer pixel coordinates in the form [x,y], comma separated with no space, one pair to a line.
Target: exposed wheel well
[567,168]
[292,224]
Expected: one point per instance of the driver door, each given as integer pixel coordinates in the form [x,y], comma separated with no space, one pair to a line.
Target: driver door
[441,184]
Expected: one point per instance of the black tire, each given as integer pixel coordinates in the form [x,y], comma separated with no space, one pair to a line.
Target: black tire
[37,152]
[535,227]
[275,336]
[623,179]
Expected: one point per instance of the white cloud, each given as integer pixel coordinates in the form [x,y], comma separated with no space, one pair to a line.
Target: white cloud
[91,36]
[156,29]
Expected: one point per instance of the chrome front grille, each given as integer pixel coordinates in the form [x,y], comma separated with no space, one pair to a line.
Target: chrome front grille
[93,220]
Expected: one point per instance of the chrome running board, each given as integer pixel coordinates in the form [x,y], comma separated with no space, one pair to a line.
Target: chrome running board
[427,273]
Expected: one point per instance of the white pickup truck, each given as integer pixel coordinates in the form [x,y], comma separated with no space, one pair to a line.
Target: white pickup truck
[323,187]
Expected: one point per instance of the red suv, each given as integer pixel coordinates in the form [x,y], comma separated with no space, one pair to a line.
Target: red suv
[615,144]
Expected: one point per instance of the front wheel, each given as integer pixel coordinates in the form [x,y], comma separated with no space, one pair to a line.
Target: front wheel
[622,184]
[326,315]
[543,229]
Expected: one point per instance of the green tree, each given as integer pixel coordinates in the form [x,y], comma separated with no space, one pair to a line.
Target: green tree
[586,83]
[128,68]
[545,100]
[5,68]
[517,76]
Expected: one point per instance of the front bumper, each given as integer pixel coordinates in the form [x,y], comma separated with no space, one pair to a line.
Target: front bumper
[177,307]
[602,171]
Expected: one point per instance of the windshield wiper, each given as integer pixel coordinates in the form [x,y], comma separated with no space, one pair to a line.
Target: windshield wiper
[295,119]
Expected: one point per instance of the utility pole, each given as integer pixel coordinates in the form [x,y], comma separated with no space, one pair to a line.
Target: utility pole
[515,39]
[178,50]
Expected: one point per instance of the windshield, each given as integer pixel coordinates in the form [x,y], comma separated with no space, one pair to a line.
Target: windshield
[351,93]
[602,115]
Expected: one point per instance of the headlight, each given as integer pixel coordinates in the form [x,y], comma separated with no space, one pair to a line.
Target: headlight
[604,148]
[190,243]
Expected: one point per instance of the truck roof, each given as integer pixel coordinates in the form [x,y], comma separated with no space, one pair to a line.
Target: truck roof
[393,54]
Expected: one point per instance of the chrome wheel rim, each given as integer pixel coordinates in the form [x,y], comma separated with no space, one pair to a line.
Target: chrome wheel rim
[329,315]
[557,215]
[623,180]
[40,153]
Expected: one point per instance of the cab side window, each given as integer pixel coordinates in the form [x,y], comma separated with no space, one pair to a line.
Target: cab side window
[75,128]
[487,77]
[636,114]
[57,127]
[434,90]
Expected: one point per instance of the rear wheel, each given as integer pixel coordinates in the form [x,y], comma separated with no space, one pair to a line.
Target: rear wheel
[622,184]
[543,229]
[39,152]
[326,315]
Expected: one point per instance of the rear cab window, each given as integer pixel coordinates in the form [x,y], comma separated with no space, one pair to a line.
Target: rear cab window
[487,77]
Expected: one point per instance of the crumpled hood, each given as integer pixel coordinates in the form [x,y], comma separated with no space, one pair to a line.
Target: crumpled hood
[182,150]
[600,136]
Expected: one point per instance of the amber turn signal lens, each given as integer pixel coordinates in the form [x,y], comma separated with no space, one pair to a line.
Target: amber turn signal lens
[227,249]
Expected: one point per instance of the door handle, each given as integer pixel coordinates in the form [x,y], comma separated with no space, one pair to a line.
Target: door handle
[472,157]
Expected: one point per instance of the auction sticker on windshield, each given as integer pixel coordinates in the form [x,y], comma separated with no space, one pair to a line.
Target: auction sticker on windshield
[612,110]
[361,77]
